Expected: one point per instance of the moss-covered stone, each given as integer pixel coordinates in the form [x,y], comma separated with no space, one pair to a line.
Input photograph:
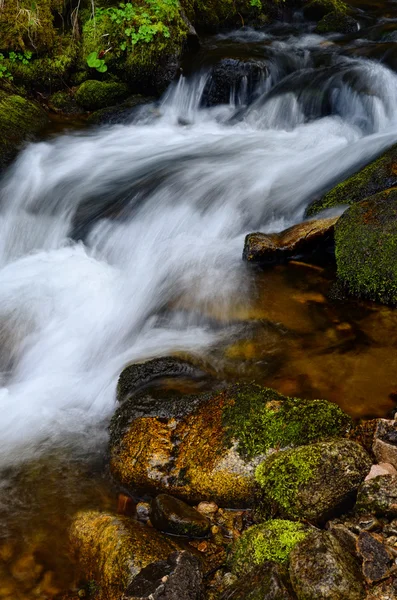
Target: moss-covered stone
[378,496]
[379,175]
[93,95]
[207,446]
[366,247]
[25,24]
[112,550]
[269,541]
[312,482]
[19,119]
[270,581]
[337,22]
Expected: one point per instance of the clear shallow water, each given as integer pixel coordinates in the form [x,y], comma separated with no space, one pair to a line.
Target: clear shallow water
[125,242]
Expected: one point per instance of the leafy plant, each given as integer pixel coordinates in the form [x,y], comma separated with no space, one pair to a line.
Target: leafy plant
[97,63]
[23,57]
[256,4]
[4,72]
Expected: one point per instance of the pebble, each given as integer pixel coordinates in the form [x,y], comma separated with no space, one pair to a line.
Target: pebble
[207,508]
[381,469]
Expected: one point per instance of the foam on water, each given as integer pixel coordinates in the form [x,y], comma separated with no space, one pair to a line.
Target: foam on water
[102,232]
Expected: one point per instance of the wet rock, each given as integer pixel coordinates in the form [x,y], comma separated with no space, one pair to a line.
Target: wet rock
[377,176]
[334,22]
[112,550]
[378,496]
[270,581]
[300,239]
[20,119]
[121,113]
[232,77]
[366,248]
[313,482]
[207,508]
[270,541]
[385,442]
[143,511]
[93,95]
[179,577]
[138,376]
[172,515]
[381,469]
[207,446]
[320,569]
[377,558]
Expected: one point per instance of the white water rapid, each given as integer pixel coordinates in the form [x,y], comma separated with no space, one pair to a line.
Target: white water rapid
[114,239]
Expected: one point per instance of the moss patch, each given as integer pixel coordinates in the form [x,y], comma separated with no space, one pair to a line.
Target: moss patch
[375,177]
[93,95]
[19,119]
[366,247]
[337,22]
[271,540]
[261,418]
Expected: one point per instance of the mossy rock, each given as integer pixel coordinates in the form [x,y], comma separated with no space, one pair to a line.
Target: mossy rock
[112,550]
[20,119]
[318,9]
[25,24]
[379,175]
[212,15]
[366,247]
[335,22]
[378,496]
[94,95]
[206,447]
[270,581]
[312,482]
[270,541]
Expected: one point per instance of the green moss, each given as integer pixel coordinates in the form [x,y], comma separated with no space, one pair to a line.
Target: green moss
[336,22]
[366,247]
[327,6]
[27,24]
[283,473]
[261,418]
[272,540]
[93,95]
[375,177]
[19,118]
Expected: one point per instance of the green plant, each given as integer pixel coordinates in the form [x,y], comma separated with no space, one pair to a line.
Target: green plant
[4,72]
[97,63]
[256,4]
[23,57]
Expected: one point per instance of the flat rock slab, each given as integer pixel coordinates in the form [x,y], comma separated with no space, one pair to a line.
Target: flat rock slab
[301,239]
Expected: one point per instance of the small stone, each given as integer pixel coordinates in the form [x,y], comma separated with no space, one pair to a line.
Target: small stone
[143,511]
[215,529]
[202,547]
[172,515]
[385,442]
[207,508]
[391,528]
[377,558]
[381,469]
[125,505]
[378,496]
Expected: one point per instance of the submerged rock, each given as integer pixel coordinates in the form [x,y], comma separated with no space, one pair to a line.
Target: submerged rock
[378,496]
[233,77]
[366,247]
[172,515]
[179,577]
[321,569]
[126,559]
[93,95]
[264,248]
[206,447]
[19,120]
[377,176]
[270,581]
[313,482]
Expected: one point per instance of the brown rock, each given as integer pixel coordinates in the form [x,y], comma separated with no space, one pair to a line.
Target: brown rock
[378,496]
[385,442]
[300,239]
[381,469]
[174,516]
[377,558]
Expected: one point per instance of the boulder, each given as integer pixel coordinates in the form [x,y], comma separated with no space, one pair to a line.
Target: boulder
[113,550]
[366,247]
[272,540]
[93,95]
[377,558]
[377,176]
[270,581]
[232,76]
[378,496]
[172,515]
[301,239]
[385,442]
[336,22]
[206,446]
[312,482]
[20,119]
[320,569]
[179,577]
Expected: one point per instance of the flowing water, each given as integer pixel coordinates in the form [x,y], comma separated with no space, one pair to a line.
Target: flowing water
[124,242]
